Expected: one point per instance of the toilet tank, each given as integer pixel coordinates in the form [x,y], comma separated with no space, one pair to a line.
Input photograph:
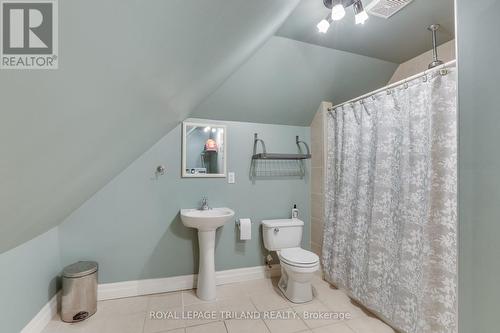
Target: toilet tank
[282,234]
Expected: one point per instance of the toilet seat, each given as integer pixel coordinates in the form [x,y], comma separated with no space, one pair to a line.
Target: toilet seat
[298,257]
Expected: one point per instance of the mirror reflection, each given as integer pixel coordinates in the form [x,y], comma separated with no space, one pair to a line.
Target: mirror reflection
[204,150]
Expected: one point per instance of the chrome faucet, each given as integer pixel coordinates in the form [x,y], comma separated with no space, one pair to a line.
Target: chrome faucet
[204,204]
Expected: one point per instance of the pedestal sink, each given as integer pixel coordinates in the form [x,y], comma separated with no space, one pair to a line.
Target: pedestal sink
[206,221]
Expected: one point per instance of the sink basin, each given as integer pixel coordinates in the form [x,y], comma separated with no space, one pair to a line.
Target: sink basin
[206,221]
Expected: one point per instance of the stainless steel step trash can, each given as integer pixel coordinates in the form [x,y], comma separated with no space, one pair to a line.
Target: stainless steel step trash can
[79,291]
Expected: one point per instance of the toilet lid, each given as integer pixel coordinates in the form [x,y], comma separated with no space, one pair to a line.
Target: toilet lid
[298,256]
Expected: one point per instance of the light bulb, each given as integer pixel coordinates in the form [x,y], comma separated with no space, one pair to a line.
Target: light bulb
[323,26]
[206,129]
[360,14]
[338,12]
[361,17]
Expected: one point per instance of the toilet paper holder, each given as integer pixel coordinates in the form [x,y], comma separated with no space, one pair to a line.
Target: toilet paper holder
[237,222]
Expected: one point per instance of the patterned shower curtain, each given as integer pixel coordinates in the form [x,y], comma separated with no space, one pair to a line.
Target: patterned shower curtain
[390,236]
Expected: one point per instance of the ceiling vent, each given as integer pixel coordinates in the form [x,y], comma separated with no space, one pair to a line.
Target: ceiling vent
[386,8]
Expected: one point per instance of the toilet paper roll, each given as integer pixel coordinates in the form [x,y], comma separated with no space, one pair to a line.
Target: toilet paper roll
[245,229]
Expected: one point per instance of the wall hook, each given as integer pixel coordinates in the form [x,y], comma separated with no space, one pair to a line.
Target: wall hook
[160,170]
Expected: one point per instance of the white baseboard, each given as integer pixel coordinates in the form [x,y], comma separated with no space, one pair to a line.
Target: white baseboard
[108,291]
[43,317]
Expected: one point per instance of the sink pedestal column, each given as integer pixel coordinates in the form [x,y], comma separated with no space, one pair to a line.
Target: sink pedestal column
[206,272]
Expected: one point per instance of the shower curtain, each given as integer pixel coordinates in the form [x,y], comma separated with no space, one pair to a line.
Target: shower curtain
[390,237]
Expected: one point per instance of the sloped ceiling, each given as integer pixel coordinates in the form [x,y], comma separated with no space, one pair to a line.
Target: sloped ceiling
[129,72]
[284,82]
[397,39]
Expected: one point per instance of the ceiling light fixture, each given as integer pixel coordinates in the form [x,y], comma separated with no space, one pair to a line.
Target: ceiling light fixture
[338,12]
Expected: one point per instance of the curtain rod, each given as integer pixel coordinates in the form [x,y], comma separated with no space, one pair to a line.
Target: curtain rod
[395,84]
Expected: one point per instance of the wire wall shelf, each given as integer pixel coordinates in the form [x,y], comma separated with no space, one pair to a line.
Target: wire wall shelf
[270,165]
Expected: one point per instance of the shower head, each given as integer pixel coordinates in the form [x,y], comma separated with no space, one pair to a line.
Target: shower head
[435,61]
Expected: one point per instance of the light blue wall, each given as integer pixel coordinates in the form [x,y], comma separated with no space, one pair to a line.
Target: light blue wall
[479,165]
[28,280]
[129,71]
[132,227]
[284,82]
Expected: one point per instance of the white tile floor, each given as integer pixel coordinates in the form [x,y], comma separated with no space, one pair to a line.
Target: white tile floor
[132,315]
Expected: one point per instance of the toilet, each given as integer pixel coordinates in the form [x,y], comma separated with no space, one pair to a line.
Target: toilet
[297,265]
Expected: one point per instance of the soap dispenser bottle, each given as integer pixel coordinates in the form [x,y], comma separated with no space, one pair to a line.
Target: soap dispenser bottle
[295,212]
